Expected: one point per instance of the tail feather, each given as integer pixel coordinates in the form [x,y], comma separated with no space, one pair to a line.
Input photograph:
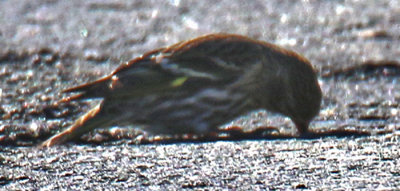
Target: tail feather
[93,89]
[84,124]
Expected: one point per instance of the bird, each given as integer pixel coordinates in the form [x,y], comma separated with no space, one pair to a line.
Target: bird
[195,86]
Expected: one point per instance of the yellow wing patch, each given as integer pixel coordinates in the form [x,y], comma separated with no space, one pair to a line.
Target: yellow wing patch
[179,81]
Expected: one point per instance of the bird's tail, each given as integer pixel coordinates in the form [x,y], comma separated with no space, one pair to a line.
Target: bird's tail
[91,120]
[93,89]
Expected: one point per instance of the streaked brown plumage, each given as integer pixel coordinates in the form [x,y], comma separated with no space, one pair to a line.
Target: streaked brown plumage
[195,86]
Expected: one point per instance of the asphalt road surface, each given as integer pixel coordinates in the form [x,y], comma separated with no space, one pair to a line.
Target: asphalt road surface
[49,45]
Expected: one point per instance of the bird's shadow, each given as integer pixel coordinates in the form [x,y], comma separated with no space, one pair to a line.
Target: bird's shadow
[237,134]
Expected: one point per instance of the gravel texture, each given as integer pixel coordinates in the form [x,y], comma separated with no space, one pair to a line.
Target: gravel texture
[50,45]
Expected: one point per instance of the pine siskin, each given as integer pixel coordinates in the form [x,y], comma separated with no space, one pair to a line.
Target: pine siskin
[195,86]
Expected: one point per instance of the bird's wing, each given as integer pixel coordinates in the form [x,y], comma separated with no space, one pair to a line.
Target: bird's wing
[207,60]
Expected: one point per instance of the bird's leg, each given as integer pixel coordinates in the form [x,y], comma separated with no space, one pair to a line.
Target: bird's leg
[302,128]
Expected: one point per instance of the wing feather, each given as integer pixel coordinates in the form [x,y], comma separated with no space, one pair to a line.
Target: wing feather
[206,60]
